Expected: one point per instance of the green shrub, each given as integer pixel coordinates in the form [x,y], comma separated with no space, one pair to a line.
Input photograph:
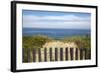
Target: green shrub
[35,41]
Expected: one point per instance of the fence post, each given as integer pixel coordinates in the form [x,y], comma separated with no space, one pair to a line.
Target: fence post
[84,53]
[50,54]
[39,53]
[42,54]
[71,53]
[64,56]
[34,55]
[56,54]
[81,54]
[45,54]
[76,54]
[66,53]
[28,55]
[53,54]
[61,54]
[31,56]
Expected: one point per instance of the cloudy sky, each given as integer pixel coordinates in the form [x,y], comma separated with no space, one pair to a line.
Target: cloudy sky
[51,19]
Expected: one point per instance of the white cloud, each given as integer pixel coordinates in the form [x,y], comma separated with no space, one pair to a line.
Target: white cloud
[65,21]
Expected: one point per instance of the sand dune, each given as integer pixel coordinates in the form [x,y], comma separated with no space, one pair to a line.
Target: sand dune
[59,44]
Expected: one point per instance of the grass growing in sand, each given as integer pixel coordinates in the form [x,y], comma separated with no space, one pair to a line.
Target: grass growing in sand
[37,41]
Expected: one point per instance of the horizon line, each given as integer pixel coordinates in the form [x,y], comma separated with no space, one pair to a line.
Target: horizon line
[55,28]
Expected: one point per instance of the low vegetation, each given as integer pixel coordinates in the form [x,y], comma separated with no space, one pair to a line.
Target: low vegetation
[39,40]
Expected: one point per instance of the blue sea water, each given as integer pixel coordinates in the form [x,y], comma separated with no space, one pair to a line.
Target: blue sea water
[55,33]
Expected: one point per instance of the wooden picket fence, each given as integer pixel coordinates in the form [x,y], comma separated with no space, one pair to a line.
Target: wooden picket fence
[54,54]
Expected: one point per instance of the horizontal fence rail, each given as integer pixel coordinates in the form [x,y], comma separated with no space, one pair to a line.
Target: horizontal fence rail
[55,54]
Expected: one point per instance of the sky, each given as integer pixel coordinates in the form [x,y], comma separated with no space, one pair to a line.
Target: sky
[55,19]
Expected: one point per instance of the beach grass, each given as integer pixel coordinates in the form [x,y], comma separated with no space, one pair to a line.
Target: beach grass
[37,41]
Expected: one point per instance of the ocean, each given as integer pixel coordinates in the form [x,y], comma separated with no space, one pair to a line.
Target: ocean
[55,33]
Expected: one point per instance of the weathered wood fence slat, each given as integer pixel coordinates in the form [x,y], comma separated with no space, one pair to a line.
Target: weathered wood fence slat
[54,54]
